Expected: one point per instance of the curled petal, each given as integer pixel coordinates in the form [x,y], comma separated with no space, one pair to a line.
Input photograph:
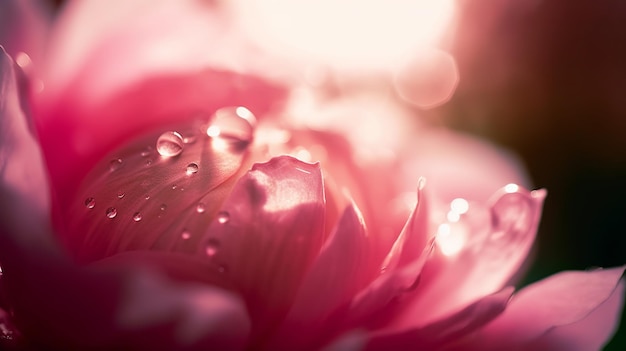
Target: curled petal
[544,313]
[477,255]
[268,233]
[338,273]
[401,270]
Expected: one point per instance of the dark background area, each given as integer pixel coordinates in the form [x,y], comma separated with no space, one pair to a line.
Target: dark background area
[547,79]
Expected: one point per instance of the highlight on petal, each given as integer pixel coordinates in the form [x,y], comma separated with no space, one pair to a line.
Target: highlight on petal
[267,235]
[545,312]
[477,255]
[338,273]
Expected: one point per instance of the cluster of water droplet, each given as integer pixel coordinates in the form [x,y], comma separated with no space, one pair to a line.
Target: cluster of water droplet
[230,129]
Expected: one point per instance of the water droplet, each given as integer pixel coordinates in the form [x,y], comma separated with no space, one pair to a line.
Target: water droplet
[235,124]
[185,234]
[148,162]
[147,197]
[163,207]
[170,144]
[120,195]
[212,247]
[201,207]
[223,217]
[146,152]
[137,217]
[192,168]
[111,212]
[174,187]
[190,139]
[115,164]
[90,202]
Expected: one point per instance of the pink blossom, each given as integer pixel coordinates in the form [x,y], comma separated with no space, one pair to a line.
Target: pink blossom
[140,209]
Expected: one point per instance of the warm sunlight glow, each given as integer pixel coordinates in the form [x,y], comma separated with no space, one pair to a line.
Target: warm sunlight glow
[450,239]
[346,33]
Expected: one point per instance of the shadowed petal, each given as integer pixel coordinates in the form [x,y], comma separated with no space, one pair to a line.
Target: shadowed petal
[545,312]
[268,233]
[337,274]
[401,269]
[445,331]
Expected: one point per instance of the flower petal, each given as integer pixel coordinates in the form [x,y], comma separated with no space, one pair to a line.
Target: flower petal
[337,274]
[138,199]
[447,330]
[546,311]
[23,27]
[268,234]
[401,270]
[24,200]
[59,306]
[477,255]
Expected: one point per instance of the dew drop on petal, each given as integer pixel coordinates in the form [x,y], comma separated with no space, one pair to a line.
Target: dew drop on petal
[170,144]
[90,202]
[201,207]
[111,212]
[212,247]
[235,124]
[163,207]
[223,217]
[120,195]
[147,197]
[115,164]
[146,152]
[190,139]
[192,168]
[137,217]
[185,234]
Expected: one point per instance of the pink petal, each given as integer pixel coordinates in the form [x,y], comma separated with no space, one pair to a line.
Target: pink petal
[590,333]
[268,234]
[338,273]
[445,331]
[547,311]
[492,245]
[155,198]
[58,306]
[24,196]
[401,270]
[23,27]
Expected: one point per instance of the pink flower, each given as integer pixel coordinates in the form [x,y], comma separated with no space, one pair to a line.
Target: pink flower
[186,229]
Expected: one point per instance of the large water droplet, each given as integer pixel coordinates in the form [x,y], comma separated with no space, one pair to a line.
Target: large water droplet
[201,207]
[223,217]
[170,144]
[192,168]
[115,164]
[212,247]
[512,216]
[234,125]
[90,202]
[137,217]
[111,212]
